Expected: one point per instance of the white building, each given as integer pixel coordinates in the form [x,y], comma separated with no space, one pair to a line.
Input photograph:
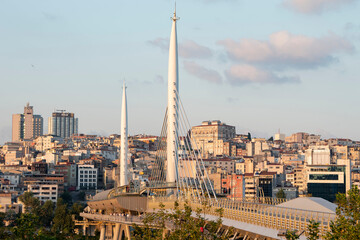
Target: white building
[87,177]
[318,155]
[12,177]
[44,191]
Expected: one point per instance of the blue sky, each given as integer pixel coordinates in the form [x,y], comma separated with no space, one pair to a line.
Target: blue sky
[258,65]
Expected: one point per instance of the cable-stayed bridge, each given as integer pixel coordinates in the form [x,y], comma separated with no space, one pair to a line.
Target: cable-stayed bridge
[179,174]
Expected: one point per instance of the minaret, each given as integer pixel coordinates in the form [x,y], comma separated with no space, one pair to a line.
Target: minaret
[124,141]
[172,111]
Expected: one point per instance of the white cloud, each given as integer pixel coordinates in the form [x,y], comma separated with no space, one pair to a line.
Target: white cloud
[162,43]
[315,6]
[246,74]
[202,72]
[284,49]
[187,49]
[190,49]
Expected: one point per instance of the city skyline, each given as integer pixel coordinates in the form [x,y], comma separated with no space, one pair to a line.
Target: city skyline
[245,78]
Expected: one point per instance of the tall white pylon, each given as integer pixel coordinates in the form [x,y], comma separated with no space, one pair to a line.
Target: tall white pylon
[172,122]
[124,141]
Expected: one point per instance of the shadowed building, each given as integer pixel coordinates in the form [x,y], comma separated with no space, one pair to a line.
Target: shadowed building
[26,126]
[63,124]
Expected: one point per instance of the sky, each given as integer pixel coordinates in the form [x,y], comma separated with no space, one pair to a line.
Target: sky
[258,65]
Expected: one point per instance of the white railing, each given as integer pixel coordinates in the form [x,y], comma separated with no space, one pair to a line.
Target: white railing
[270,216]
[113,218]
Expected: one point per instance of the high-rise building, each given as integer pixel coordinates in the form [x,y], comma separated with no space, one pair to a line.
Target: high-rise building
[63,124]
[26,126]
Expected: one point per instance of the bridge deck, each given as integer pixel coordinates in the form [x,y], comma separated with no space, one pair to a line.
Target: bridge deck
[262,219]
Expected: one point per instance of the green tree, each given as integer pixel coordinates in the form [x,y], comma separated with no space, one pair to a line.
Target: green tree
[292,235]
[25,226]
[249,136]
[32,204]
[313,230]
[347,222]
[183,225]
[66,196]
[62,222]
[280,194]
[81,196]
[46,213]
[76,209]
[2,218]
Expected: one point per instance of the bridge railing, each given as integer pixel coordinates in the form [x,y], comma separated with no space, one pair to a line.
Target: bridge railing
[112,218]
[270,216]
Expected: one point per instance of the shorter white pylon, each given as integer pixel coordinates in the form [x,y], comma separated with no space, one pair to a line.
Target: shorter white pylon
[124,141]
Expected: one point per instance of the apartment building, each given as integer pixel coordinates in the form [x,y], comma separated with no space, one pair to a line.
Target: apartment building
[87,177]
[44,191]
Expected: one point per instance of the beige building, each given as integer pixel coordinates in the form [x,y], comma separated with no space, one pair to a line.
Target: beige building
[46,142]
[300,179]
[257,146]
[250,187]
[296,137]
[210,137]
[26,126]
[245,165]
[354,155]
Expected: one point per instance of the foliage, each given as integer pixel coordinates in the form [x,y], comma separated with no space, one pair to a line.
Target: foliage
[66,197]
[182,223]
[32,204]
[313,230]
[280,194]
[82,196]
[46,213]
[62,222]
[249,136]
[25,226]
[292,235]
[347,222]
[76,209]
[2,218]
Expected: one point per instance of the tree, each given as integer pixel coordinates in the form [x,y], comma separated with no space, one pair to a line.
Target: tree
[82,196]
[46,213]
[280,194]
[271,139]
[76,209]
[249,136]
[25,226]
[66,196]
[184,226]
[32,204]
[292,235]
[347,222]
[313,230]
[62,222]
